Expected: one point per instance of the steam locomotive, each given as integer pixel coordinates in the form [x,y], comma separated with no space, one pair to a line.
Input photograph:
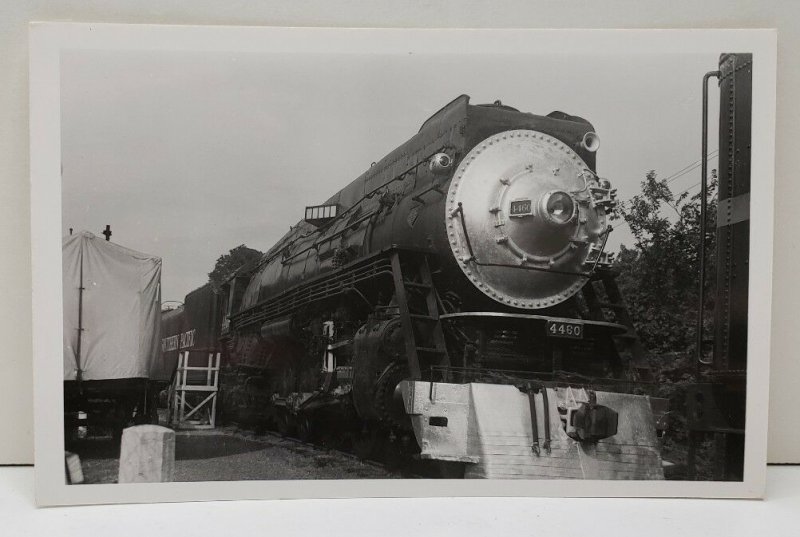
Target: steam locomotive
[453,304]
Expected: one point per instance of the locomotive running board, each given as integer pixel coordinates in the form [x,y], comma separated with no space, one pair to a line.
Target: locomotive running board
[488,426]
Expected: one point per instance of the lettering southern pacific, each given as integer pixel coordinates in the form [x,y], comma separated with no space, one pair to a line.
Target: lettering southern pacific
[178,341]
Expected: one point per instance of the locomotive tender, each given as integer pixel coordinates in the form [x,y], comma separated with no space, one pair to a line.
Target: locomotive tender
[454,303]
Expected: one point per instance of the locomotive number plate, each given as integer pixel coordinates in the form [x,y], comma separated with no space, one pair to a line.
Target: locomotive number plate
[565,329]
[521,208]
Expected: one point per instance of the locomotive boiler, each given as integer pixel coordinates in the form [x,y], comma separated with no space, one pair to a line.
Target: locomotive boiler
[454,304]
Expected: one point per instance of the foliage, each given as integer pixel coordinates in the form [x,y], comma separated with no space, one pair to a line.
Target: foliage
[659,274]
[659,280]
[228,263]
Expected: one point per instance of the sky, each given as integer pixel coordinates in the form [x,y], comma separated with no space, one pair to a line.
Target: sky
[188,154]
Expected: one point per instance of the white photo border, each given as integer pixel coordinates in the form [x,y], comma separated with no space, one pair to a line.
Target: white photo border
[47,40]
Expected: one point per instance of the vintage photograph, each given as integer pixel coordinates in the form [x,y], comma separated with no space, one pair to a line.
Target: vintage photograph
[434,265]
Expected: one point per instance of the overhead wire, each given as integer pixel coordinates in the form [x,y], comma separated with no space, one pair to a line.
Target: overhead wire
[677,175]
[691,167]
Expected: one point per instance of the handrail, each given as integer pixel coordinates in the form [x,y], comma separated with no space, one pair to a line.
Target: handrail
[701,247]
[401,176]
[472,258]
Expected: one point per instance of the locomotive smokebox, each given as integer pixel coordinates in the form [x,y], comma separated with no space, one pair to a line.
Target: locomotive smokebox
[526,217]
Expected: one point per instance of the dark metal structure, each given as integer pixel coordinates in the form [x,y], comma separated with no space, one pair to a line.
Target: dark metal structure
[717,406]
[194,325]
[398,213]
[108,384]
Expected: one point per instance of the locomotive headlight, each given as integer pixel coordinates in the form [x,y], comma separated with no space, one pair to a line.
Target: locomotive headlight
[440,163]
[557,207]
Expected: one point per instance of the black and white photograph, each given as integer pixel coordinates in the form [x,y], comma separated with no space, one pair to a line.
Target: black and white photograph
[406,256]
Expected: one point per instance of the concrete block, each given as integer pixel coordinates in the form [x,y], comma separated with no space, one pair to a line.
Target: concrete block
[73,468]
[147,454]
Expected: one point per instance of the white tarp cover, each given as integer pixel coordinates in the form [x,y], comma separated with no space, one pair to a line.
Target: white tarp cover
[121,312]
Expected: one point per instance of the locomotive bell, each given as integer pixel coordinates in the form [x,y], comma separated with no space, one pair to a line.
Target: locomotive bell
[523,218]
[590,142]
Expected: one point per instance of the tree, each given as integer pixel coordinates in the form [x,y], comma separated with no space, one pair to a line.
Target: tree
[659,274]
[228,263]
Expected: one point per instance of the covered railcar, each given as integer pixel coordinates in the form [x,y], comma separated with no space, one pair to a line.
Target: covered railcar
[113,366]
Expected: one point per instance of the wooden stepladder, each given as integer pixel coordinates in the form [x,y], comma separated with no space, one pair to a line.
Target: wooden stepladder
[194,400]
[419,313]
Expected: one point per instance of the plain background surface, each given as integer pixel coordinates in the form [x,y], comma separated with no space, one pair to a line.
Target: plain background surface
[52,43]
[15,309]
[776,516]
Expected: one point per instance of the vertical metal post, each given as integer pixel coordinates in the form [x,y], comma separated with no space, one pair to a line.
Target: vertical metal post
[208,383]
[405,318]
[79,371]
[701,247]
[694,436]
[177,391]
[213,419]
[182,390]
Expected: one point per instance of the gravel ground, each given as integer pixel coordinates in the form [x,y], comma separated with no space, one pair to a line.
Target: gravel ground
[233,455]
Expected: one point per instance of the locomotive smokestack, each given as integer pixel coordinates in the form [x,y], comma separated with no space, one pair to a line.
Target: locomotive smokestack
[107,232]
